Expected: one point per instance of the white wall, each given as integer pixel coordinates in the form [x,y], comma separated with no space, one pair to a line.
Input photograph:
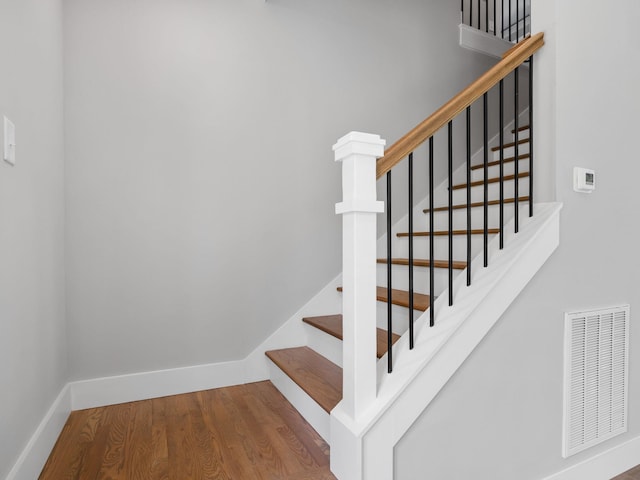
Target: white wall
[500,417]
[32,313]
[201,182]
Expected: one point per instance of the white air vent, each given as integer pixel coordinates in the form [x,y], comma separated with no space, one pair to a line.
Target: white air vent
[596,377]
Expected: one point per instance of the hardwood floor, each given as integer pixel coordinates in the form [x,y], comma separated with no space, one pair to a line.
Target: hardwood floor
[236,433]
[244,432]
[633,474]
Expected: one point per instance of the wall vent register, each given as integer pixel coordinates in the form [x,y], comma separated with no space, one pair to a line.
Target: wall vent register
[595,377]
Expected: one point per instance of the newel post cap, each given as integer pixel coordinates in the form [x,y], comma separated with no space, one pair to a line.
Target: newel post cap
[358,143]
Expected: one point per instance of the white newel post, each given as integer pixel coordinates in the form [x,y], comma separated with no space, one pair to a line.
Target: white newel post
[358,153]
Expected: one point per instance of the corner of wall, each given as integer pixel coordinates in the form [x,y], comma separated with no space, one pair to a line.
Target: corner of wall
[140,386]
[36,452]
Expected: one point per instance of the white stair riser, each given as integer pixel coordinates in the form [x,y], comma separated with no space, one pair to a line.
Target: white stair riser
[400,278]
[399,315]
[441,247]
[326,345]
[460,174]
[522,134]
[494,170]
[441,218]
[477,192]
[308,408]
[510,151]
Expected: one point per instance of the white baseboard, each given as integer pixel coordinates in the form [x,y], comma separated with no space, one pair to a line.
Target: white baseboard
[35,454]
[605,465]
[141,386]
[99,392]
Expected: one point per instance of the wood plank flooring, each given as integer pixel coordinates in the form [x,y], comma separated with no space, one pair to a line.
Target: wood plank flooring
[241,432]
[633,474]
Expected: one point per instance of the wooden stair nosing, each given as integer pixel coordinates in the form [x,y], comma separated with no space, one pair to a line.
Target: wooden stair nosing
[524,156]
[520,129]
[332,325]
[317,376]
[457,265]
[442,233]
[477,183]
[401,298]
[510,144]
[478,204]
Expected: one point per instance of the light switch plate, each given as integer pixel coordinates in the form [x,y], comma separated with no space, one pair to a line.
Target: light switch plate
[9,141]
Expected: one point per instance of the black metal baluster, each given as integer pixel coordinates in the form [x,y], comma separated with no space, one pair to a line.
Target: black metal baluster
[510,21]
[517,20]
[431,249]
[462,11]
[450,147]
[468,195]
[389,294]
[486,16]
[495,25]
[471,13]
[485,206]
[516,179]
[501,164]
[479,15]
[531,136]
[411,250]
[502,20]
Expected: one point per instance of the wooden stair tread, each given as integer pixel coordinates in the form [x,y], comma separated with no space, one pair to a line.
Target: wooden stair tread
[417,262]
[442,233]
[477,183]
[526,127]
[332,324]
[524,156]
[401,298]
[317,376]
[478,204]
[510,144]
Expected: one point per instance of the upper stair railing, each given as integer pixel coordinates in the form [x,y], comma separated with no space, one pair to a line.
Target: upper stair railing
[507,19]
[364,161]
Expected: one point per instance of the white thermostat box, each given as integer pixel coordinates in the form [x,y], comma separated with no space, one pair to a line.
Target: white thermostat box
[584,180]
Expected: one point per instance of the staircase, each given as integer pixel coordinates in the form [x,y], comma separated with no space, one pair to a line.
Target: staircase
[320,378]
[482,212]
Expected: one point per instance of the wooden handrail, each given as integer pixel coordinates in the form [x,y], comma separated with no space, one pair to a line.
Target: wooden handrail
[428,127]
[514,47]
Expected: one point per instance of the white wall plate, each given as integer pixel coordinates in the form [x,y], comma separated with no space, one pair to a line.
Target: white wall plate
[9,141]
